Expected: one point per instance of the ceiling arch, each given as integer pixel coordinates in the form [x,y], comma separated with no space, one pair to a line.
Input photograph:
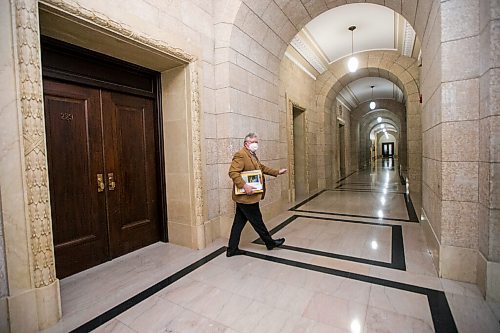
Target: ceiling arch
[326,38]
[360,91]
[389,118]
[400,70]
[262,30]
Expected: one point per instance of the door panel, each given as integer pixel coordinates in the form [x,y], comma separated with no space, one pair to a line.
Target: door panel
[75,157]
[130,155]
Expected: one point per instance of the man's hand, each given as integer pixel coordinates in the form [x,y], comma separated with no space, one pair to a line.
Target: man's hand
[248,189]
[282,171]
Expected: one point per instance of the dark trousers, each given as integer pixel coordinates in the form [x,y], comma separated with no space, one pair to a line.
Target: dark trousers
[244,213]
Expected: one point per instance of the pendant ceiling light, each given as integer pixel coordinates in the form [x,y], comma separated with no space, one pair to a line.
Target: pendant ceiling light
[372,103]
[353,63]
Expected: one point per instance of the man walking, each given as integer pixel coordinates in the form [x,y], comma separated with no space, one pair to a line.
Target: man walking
[247,205]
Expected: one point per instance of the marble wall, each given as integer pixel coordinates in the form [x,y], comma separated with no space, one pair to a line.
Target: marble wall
[343,115]
[458,80]
[297,88]
[488,268]
[5,75]
[246,99]
[431,129]
[460,138]
[4,318]
[450,127]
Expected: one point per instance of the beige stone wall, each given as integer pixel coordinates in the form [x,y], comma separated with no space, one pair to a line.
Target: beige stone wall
[297,88]
[458,166]
[343,116]
[460,138]
[247,56]
[431,130]
[488,269]
[7,105]
[453,121]
[4,327]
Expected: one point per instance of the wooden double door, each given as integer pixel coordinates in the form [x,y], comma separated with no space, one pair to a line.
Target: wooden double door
[102,174]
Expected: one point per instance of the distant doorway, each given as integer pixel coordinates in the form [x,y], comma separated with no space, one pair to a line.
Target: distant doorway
[299,151]
[388,149]
[341,142]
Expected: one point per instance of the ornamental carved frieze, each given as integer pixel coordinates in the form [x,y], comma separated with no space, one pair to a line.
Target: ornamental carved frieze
[196,138]
[98,19]
[33,131]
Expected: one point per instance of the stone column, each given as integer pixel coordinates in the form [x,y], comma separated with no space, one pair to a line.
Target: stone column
[33,299]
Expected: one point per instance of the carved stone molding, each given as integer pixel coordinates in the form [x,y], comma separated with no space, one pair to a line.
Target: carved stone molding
[196,137]
[101,20]
[35,172]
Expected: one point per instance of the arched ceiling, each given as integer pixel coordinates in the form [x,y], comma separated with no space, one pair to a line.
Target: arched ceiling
[326,39]
[359,91]
[375,30]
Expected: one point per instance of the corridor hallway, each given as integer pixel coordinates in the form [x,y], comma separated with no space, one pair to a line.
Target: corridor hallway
[355,260]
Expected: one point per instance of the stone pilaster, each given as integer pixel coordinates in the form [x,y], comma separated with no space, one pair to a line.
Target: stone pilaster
[33,298]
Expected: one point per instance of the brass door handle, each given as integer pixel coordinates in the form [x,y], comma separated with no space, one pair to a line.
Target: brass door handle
[111,182]
[100,182]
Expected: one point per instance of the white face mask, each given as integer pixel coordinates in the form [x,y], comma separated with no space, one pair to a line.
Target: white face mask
[253,147]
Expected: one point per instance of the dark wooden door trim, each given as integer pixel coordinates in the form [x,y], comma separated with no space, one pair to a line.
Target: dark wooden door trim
[160,158]
[63,61]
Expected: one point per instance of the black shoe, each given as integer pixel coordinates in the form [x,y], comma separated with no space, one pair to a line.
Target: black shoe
[236,252]
[275,243]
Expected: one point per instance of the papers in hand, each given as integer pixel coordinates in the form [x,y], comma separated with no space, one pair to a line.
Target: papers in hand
[252,178]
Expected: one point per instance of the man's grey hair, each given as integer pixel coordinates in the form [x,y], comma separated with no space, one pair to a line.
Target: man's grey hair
[250,135]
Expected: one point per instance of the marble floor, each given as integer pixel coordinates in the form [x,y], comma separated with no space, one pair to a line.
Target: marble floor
[344,268]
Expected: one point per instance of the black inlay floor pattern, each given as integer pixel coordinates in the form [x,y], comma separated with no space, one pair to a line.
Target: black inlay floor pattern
[412,215]
[397,249]
[440,311]
[442,317]
[143,295]
[365,190]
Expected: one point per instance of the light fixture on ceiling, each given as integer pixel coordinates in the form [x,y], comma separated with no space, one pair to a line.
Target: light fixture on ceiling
[379,119]
[372,103]
[382,126]
[353,63]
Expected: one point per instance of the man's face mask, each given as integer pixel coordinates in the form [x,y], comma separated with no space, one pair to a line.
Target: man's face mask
[253,147]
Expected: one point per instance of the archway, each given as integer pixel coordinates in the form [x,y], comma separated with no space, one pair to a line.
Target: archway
[257,41]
